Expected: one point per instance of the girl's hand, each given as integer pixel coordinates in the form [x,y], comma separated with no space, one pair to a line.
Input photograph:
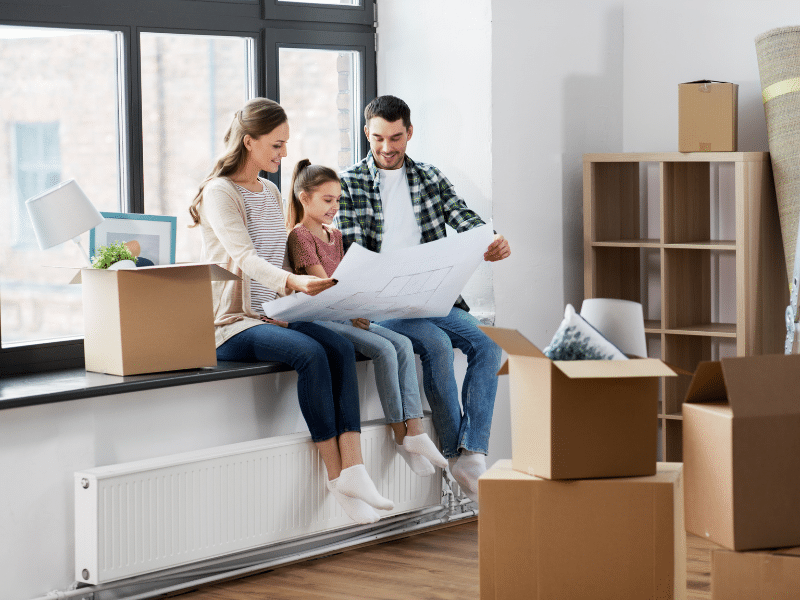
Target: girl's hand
[360,323]
[274,322]
[308,284]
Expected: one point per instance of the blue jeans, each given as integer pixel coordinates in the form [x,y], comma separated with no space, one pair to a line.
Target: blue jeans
[433,339]
[395,367]
[327,384]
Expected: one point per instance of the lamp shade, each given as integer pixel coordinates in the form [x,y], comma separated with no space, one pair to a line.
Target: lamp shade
[61,213]
[620,321]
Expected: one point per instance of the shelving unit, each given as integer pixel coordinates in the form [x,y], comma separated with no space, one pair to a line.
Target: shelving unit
[695,238]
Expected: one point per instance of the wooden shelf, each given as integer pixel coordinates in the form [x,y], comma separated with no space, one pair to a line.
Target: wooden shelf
[678,269]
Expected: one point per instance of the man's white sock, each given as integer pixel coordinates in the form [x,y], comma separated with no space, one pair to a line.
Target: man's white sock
[356,509]
[355,482]
[423,445]
[467,469]
[418,463]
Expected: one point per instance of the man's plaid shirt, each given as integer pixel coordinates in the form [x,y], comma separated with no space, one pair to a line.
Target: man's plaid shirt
[360,217]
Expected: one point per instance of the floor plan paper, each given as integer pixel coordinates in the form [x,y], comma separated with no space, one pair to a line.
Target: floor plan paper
[421,281]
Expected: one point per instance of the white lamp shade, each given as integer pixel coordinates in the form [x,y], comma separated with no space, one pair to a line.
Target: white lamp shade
[61,213]
[620,321]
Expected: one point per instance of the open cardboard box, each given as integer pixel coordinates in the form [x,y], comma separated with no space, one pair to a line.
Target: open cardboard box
[580,419]
[741,452]
[757,575]
[592,539]
[149,319]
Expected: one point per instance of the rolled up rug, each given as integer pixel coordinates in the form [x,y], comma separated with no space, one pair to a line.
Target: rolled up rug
[778,52]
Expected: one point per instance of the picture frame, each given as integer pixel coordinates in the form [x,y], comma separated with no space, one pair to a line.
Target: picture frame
[155,234]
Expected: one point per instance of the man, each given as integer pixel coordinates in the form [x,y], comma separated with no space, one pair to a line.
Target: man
[388,202]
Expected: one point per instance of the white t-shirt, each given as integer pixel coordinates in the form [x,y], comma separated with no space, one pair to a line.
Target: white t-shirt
[400,228]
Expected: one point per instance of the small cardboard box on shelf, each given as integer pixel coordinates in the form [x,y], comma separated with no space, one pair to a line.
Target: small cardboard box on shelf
[149,319]
[756,575]
[708,114]
[741,452]
[592,539]
[583,418]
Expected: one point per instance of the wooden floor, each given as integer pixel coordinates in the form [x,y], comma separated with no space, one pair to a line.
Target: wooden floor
[435,565]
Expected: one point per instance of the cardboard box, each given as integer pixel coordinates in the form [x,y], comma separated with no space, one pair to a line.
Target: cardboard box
[593,539]
[708,116]
[741,452]
[149,319]
[580,419]
[765,575]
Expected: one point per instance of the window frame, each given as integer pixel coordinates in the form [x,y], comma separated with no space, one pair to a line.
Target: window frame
[270,24]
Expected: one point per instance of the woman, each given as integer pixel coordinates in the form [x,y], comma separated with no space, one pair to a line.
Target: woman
[242,223]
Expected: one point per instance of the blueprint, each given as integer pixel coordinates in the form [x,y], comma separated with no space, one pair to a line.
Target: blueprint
[421,281]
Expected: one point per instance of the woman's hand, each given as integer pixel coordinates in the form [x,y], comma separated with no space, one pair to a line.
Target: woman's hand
[360,323]
[308,284]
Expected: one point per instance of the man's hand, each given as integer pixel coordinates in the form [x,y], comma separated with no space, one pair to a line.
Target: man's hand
[360,323]
[308,284]
[498,249]
[274,322]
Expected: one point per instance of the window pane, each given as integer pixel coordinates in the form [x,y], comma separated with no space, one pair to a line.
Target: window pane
[318,89]
[191,87]
[59,120]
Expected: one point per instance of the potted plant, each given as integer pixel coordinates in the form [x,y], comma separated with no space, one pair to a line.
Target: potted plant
[115,255]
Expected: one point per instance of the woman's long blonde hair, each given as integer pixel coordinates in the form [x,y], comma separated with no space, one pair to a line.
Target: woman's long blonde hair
[305,178]
[258,117]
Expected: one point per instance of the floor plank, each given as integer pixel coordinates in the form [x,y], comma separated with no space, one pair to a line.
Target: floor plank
[435,565]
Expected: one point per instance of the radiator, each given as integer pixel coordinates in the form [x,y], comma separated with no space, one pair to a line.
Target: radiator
[145,516]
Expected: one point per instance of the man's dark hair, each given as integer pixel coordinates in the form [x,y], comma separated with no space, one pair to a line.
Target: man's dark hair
[388,108]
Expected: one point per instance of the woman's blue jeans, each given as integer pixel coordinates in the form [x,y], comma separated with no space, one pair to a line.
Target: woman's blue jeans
[434,339]
[395,367]
[327,385]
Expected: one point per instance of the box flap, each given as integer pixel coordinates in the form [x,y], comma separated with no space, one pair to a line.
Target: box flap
[765,385]
[640,367]
[216,272]
[707,384]
[512,341]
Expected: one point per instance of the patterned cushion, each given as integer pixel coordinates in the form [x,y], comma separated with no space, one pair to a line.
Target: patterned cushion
[576,339]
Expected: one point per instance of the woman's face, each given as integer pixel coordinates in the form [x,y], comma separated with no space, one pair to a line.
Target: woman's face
[268,150]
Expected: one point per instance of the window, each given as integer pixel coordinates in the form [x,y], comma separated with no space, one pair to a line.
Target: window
[135,111]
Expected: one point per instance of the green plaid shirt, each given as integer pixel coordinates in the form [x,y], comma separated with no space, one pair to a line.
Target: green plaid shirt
[360,217]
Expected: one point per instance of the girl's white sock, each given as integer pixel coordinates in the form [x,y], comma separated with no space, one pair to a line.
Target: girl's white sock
[418,463]
[423,445]
[356,509]
[355,482]
[466,470]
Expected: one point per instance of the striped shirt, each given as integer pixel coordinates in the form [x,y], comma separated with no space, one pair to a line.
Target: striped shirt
[267,230]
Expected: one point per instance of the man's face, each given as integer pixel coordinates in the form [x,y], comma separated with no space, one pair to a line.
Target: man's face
[388,142]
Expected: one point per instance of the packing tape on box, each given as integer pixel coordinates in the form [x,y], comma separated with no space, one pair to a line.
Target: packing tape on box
[787,86]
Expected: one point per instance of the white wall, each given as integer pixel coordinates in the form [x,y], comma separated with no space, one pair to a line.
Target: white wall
[667,43]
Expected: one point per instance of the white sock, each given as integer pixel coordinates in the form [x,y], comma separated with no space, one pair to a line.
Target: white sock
[355,482]
[467,468]
[356,509]
[423,445]
[419,464]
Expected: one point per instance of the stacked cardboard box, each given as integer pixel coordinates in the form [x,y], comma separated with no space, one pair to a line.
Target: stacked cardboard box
[741,452]
[582,510]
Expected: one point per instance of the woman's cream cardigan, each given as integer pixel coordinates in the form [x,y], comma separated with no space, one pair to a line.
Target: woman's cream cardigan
[223,225]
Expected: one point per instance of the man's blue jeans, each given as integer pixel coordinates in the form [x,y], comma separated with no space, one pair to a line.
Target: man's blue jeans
[327,384]
[434,339]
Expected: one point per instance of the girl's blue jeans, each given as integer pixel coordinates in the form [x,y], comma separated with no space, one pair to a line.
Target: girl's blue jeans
[327,385]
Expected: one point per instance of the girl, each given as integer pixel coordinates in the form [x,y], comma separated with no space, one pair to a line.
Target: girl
[315,248]
[241,220]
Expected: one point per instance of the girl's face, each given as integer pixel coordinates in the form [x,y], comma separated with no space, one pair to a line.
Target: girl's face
[322,204]
[267,151]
